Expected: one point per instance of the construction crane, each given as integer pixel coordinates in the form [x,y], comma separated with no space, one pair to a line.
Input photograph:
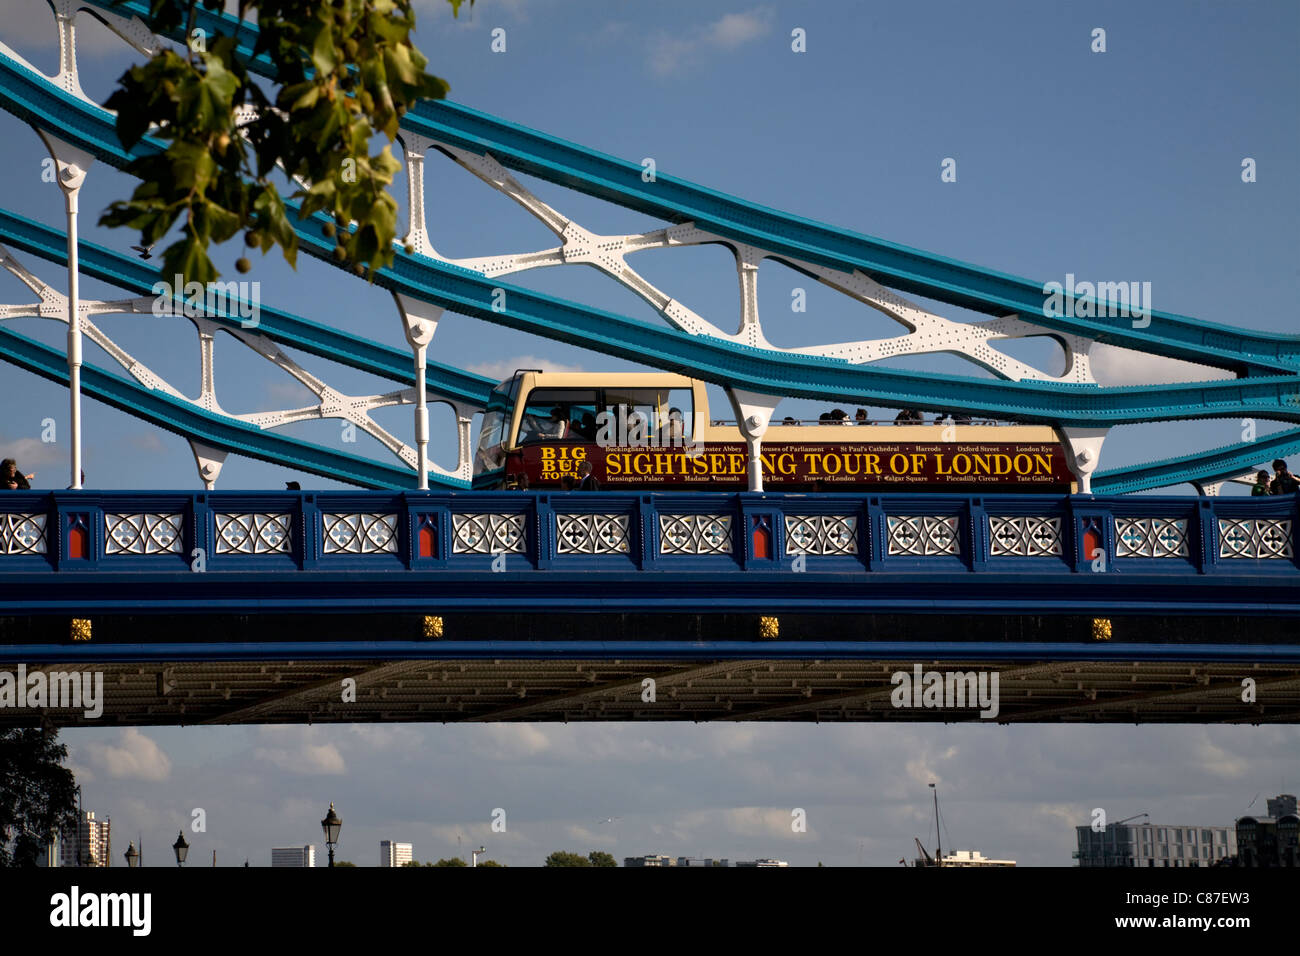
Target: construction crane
[925,859]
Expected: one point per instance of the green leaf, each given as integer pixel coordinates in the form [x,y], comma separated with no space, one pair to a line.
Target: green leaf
[192,165]
[189,257]
[323,54]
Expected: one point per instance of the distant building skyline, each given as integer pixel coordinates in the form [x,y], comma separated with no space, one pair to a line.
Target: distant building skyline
[93,837]
[973,858]
[293,856]
[1273,840]
[394,854]
[663,859]
[1154,845]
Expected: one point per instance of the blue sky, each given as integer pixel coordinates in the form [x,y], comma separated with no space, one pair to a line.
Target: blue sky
[1116,166]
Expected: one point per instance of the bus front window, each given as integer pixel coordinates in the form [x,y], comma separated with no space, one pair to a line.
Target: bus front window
[490,455]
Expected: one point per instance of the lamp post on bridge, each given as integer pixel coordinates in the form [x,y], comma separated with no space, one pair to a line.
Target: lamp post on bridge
[181,848]
[71,165]
[332,824]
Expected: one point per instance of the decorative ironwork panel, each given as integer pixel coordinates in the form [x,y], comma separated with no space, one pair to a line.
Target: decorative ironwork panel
[695,534]
[1151,538]
[142,533]
[821,534]
[253,533]
[1255,538]
[591,534]
[923,535]
[360,533]
[22,534]
[487,533]
[1025,536]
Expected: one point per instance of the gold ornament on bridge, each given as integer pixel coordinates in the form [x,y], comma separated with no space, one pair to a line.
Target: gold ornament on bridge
[432,627]
[769,628]
[1101,629]
[80,629]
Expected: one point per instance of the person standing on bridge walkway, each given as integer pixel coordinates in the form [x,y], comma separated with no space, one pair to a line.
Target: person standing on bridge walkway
[1262,485]
[11,479]
[1284,483]
[588,483]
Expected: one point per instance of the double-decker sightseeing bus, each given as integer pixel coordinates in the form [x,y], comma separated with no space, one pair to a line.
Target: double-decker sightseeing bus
[655,431]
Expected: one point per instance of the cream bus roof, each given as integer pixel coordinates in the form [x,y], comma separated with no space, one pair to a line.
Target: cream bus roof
[607,379]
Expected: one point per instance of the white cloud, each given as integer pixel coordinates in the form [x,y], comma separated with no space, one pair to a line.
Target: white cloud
[31,453]
[737,28]
[514,740]
[134,757]
[1113,365]
[668,52]
[299,751]
[700,828]
[502,369]
[147,441]
[581,834]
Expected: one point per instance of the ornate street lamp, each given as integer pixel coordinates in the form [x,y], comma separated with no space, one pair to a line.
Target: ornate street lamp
[332,824]
[132,856]
[181,847]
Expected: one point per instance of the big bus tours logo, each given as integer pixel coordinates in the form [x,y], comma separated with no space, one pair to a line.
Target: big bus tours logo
[621,428]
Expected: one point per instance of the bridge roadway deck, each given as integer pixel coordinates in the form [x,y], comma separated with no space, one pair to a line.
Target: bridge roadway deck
[1137,609]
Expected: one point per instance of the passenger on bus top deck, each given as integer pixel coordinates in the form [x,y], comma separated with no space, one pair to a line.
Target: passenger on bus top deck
[674,430]
[557,426]
[839,416]
[860,417]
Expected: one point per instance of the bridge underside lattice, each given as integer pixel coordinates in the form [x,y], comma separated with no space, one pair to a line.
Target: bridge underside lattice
[704,668]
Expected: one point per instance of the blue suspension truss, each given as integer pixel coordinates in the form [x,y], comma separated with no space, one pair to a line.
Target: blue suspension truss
[1268,365]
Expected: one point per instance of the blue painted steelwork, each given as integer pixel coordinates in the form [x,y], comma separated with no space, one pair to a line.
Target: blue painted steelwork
[765,371]
[1204,466]
[32,98]
[948,280]
[537,552]
[1019,651]
[285,328]
[190,421]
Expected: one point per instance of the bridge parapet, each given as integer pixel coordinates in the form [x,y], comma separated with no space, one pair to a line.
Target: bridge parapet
[710,533]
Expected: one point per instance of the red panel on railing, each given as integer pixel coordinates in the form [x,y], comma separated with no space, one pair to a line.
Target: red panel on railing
[426,542]
[762,542]
[78,542]
[1092,544]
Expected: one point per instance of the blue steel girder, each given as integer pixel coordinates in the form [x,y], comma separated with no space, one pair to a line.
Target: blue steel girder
[1205,466]
[676,200]
[760,370]
[285,328]
[191,422]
